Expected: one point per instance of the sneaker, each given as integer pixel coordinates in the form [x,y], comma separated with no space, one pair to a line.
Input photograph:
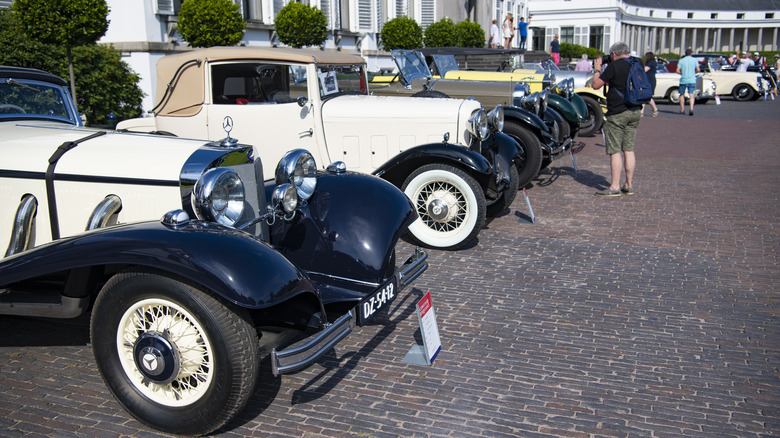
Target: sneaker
[627,190]
[608,192]
[690,113]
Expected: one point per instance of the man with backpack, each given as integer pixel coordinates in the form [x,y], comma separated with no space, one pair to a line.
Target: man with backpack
[622,118]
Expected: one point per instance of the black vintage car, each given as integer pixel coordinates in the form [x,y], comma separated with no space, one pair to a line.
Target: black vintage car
[194,268]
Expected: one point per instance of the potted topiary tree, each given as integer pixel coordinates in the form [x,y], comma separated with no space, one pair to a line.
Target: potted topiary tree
[300,25]
[402,33]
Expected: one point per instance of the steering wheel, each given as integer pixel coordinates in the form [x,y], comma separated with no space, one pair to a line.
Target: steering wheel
[10,106]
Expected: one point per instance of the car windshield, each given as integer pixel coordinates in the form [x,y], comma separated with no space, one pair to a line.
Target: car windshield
[29,99]
[337,80]
[411,64]
[445,63]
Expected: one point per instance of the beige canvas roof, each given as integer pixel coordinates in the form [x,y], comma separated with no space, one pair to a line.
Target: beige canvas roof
[184,96]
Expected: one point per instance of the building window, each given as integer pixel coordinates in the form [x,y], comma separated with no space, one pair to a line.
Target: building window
[669,14]
[740,16]
[769,15]
[596,37]
[690,15]
[714,15]
[652,12]
[567,35]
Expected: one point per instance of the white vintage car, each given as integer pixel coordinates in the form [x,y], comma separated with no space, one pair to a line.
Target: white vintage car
[740,86]
[667,87]
[440,152]
[191,277]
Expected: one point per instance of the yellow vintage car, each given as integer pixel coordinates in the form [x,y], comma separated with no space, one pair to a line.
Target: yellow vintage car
[537,77]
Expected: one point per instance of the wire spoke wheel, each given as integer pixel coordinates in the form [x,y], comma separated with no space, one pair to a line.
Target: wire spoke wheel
[450,206]
[190,350]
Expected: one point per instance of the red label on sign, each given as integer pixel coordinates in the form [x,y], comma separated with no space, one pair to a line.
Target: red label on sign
[425,304]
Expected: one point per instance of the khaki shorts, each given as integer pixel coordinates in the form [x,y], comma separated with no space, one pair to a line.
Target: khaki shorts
[620,131]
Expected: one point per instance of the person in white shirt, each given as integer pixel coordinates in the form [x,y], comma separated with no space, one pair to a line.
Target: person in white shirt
[744,63]
[494,35]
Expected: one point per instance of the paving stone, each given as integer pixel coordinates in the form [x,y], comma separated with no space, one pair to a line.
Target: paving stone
[650,315]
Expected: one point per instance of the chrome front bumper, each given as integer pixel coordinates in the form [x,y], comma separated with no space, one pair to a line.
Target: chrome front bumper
[306,351]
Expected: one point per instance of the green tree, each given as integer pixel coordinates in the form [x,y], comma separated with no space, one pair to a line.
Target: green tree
[300,25]
[66,23]
[107,83]
[441,34]
[470,34]
[402,33]
[207,23]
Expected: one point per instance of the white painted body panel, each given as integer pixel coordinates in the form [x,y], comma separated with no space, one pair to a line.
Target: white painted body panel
[27,146]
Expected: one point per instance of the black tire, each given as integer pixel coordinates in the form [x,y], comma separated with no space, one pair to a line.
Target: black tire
[450,204]
[207,352]
[431,93]
[564,130]
[530,151]
[595,118]
[508,195]
[674,95]
[743,92]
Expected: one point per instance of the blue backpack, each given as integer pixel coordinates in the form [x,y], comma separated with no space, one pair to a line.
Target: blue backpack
[639,90]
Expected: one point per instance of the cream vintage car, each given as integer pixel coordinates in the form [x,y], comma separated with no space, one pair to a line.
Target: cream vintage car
[741,86]
[667,87]
[447,155]
[194,269]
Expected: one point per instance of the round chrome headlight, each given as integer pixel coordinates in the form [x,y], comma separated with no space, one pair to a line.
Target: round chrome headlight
[495,118]
[478,125]
[521,90]
[570,87]
[531,103]
[285,197]
[219,196]
[298,168]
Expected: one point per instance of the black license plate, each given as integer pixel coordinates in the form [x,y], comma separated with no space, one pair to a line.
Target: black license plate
[378,300]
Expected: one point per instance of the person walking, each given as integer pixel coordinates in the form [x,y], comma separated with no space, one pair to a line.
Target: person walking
[687,67]
[555,50]
[508,30]
[522,28]
[650,68]
[494,34]
[622,119]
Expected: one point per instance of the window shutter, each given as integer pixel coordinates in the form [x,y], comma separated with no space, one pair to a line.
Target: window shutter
[426,13]
[401,8]
[581,35]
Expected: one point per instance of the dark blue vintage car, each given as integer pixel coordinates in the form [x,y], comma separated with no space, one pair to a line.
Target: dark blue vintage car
[194,268]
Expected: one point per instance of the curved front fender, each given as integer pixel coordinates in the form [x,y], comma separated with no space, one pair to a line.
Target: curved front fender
[580,106]
[564,107]
[233,264]
[400,166]
[526,118]
[347,230]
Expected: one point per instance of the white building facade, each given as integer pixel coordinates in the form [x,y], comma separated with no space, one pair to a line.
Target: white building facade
[144,30]
[660,26]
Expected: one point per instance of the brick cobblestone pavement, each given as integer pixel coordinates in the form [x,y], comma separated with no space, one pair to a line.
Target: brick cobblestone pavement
[651,315]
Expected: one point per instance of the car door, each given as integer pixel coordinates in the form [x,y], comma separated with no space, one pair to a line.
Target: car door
[261,99]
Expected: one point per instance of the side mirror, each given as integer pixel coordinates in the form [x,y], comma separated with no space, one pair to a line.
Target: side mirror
[302,101]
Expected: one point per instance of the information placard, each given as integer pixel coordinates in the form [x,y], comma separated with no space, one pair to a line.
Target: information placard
[428,328]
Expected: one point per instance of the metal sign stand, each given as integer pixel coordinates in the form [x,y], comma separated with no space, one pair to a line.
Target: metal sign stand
[425,354]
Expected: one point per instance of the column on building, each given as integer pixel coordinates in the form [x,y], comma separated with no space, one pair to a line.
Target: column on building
[760,40]
[707,47]
[694,33]
[745,45]
[731,39]
[663,47]
[672,39]
[683,43]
